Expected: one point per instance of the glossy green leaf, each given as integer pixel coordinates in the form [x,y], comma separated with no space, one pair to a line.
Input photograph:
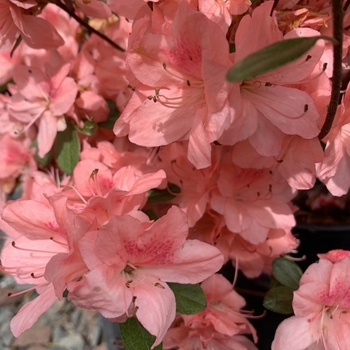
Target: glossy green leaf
[135,336]
[287,272]
[112,117]
[274,283]
[271,57]
[160,196]
[46,160]
[279,300]
[3,87]
[89,128]
[190,298]
[67,149]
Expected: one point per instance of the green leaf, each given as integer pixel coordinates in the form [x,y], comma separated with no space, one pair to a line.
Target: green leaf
[274,283]
[112,117]
[190,298]
[135,336]
[151,213]
[279,300]
[89,128]
[287,272]
[3,87]
[67,149]
[160,196]
[272,57]
[46,160]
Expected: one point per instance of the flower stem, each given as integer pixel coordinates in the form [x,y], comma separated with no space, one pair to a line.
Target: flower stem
[337,8]
[86,25]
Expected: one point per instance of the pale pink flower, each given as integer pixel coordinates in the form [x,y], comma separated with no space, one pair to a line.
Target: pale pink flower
[15,159]
[296,161]
[333,170]
[42,250]
[195,184]
[218,326]
[131,262]
[253,259]
[322,308]
[43,98]
[35,32]
[221,11]
[274,109]
[93,8]
[252,201]
[184,97]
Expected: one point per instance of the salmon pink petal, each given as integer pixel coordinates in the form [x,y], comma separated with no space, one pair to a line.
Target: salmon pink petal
[268,139]
[36,32]
[63,98]
[63,268]
[147,182]
[291,110]
[192,263]
[199,149]
[94,8]
[267,34]
[294,333]
[156,306]
[31,311]
[104,290]
[33,219]
[155,124]
[47,133]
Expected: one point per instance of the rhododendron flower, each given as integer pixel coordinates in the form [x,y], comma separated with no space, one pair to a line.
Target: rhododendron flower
[270,109]
[221,11]
[218,326]
[131,262]
[43,98]
[42,250]
[322,309]
[35,31]
[251,201]
[333,170]
[184,97]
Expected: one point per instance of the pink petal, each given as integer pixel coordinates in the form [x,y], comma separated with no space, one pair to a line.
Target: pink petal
[156,306]
[192,263]
[294,333]
[31,311]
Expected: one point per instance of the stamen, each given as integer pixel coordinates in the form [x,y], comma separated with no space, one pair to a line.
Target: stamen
[77,192]
[36,276]
[93,177]
[33,250]
[26,290]
[236,272]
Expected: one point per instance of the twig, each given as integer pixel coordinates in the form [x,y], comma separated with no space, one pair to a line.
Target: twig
[337,7]
[87,26]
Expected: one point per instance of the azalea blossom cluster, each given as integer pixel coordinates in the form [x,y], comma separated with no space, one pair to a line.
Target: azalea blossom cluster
[141,165]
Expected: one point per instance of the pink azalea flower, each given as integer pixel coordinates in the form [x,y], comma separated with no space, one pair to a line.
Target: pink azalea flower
[26,255]
[252,201]
[221,11]
[94,8]
[195,184]
[333,170]
[43,98]
[296,162]
[218,326]
[253,259]
[184,97]
[131,262]
[322,308]
[274,108]
[35,32]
